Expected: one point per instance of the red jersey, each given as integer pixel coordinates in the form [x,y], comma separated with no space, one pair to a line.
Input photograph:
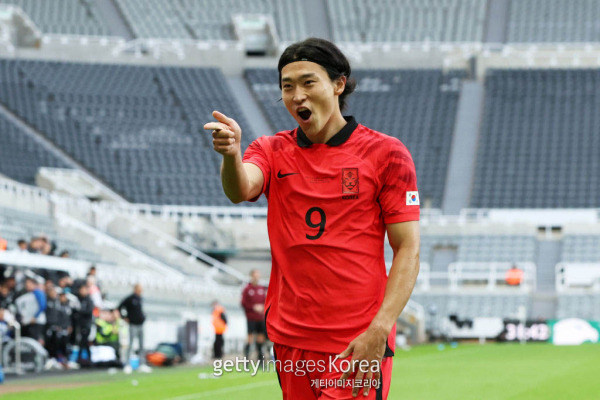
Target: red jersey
[251,296]
[328,209]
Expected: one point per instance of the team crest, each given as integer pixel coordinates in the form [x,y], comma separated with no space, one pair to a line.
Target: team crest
[350,180]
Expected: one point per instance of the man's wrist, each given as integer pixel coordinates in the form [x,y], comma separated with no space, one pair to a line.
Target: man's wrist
[380,328]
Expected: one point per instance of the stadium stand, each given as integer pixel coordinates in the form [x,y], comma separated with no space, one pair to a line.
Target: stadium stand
[496,248]
[586,306]
[407,21]
[553,21]
[539,133]
[208,19]
[21,156]
[440,305]
[73,17]
[137,128]
[581,248]
[16,225]
[416,106]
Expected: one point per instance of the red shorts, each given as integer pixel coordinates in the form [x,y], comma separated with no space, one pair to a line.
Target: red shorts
[310,375]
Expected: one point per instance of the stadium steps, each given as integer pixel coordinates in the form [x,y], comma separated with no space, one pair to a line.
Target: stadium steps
[543,306]
[497,21]
[56,151]
[464,148]
[249,106]
[442,258]
[317,19]
[544,301]
[548,255]
[114,19]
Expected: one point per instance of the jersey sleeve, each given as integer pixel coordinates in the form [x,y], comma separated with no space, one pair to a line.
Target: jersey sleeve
[399,196]
[256,154]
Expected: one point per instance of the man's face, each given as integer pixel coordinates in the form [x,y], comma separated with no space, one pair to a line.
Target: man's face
[255,276]
[30,285]
[310,96]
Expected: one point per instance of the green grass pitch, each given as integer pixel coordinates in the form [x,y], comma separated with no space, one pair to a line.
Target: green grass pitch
[470,371]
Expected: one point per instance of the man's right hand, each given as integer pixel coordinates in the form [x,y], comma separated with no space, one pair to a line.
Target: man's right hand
[227,135]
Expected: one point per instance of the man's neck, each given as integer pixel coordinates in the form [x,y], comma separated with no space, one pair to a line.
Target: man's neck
[333,126]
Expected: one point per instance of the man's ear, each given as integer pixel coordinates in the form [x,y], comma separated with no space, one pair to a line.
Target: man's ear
[339,85]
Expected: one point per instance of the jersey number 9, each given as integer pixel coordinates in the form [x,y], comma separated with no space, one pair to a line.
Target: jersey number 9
[320,224]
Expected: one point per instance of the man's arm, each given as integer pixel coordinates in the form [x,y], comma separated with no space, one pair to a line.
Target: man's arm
[370,345]
[241,181]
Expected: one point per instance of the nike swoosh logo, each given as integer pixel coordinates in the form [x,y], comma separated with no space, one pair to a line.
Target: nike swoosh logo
[280,175]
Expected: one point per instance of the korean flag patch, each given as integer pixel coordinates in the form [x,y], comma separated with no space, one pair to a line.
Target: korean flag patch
[412,198]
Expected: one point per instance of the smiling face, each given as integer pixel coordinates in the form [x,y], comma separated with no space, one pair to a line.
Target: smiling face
[311,97]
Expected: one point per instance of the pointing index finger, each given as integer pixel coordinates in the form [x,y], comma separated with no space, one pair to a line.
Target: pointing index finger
[219,116]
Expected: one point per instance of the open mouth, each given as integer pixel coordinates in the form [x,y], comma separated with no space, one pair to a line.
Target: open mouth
[304,113]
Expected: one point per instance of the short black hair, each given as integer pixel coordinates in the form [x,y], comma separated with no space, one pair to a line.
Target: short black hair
[324,53]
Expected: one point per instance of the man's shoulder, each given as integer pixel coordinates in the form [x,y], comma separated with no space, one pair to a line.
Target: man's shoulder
[279,139]
[390,142]
[378,147]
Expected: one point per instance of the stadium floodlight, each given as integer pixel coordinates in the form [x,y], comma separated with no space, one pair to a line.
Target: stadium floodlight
[17,29]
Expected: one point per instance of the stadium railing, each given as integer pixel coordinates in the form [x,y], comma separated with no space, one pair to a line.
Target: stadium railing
[582,277]
[489,274]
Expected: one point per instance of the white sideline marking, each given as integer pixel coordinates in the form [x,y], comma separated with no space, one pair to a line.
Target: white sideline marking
[224,390]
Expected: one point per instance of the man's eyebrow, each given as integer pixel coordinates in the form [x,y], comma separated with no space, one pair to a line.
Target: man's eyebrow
[304,76]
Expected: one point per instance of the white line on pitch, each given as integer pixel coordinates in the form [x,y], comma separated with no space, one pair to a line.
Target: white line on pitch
[224,390]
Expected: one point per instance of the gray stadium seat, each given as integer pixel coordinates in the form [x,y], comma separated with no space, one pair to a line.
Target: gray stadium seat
[73,17]
[538,144]
[407,20]
[208,19]
[137,128]
[553,21]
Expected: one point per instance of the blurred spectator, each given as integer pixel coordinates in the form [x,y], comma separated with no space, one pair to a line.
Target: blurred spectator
[9,291]
[3,244]
[48,284]
[83,324]
[58,326]
[64,254]
[31,306]
[6,297]
[36,245]
[107,329]
[6,321]
[93,272]
[219,320]
[253,302]
[133,313]
[514,276]
[95,294]
[22,245]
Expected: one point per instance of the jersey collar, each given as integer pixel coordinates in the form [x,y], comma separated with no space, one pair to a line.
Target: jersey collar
[339,138]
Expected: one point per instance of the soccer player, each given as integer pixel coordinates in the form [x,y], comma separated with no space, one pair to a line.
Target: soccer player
[253,302]
[334,187]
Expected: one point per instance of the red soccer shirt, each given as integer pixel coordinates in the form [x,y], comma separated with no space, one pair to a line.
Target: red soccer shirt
[328,208]
[251,296]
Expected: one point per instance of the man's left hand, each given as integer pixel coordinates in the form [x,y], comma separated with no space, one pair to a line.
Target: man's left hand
[367,353]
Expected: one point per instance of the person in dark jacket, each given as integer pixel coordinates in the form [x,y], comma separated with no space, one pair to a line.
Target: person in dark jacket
[58,324]
[83,323]
[132,312]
